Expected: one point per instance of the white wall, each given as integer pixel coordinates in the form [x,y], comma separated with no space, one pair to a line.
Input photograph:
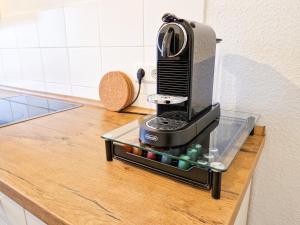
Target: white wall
[67,48]
[261,73]
[15,7]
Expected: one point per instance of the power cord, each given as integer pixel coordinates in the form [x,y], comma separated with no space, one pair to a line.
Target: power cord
[140,75]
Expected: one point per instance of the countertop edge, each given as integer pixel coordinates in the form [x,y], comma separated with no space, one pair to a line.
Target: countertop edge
[49,217]
[259,131]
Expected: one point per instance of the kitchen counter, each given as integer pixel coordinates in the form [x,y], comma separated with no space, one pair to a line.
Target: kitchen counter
[56,168]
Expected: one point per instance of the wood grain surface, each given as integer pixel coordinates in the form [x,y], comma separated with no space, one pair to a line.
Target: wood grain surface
[55,167]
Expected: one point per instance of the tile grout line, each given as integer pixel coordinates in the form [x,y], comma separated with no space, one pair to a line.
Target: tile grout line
[41,57]
[82,46]
[67,51]
[2,66]
[143,18]
[100,42]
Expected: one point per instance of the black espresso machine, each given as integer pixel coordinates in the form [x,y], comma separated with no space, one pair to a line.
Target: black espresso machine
[185,76]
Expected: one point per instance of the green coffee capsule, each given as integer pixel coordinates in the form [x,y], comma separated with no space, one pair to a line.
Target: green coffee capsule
[182,163]
[193,154]
[199,148]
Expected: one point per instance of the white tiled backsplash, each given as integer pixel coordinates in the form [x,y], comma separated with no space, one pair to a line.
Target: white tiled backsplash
[67,50]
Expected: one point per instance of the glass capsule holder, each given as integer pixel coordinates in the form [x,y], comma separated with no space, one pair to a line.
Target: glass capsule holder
[200,162]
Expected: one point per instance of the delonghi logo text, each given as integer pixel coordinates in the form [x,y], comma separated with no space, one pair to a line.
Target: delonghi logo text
[151,137]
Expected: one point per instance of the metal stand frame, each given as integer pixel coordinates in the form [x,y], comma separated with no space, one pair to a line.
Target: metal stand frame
[216,184]
[109,150]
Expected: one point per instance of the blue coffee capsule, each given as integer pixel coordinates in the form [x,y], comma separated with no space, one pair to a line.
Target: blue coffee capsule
[166,159]
[182,163]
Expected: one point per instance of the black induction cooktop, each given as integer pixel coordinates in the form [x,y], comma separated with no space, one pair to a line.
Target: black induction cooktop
[20,108]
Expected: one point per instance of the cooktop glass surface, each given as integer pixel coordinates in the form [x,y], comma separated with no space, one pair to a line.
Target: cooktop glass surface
[20,108]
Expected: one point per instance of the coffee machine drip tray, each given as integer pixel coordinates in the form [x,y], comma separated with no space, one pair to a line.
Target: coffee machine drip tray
[166,99]
[161,123]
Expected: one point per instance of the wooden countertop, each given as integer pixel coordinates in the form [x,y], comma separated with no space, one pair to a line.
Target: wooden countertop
[55,167]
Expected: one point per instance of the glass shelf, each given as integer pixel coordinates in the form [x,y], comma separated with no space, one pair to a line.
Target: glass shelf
[214,148]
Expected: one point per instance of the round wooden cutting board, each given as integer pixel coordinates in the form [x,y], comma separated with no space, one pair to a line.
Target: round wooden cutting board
[116,90]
